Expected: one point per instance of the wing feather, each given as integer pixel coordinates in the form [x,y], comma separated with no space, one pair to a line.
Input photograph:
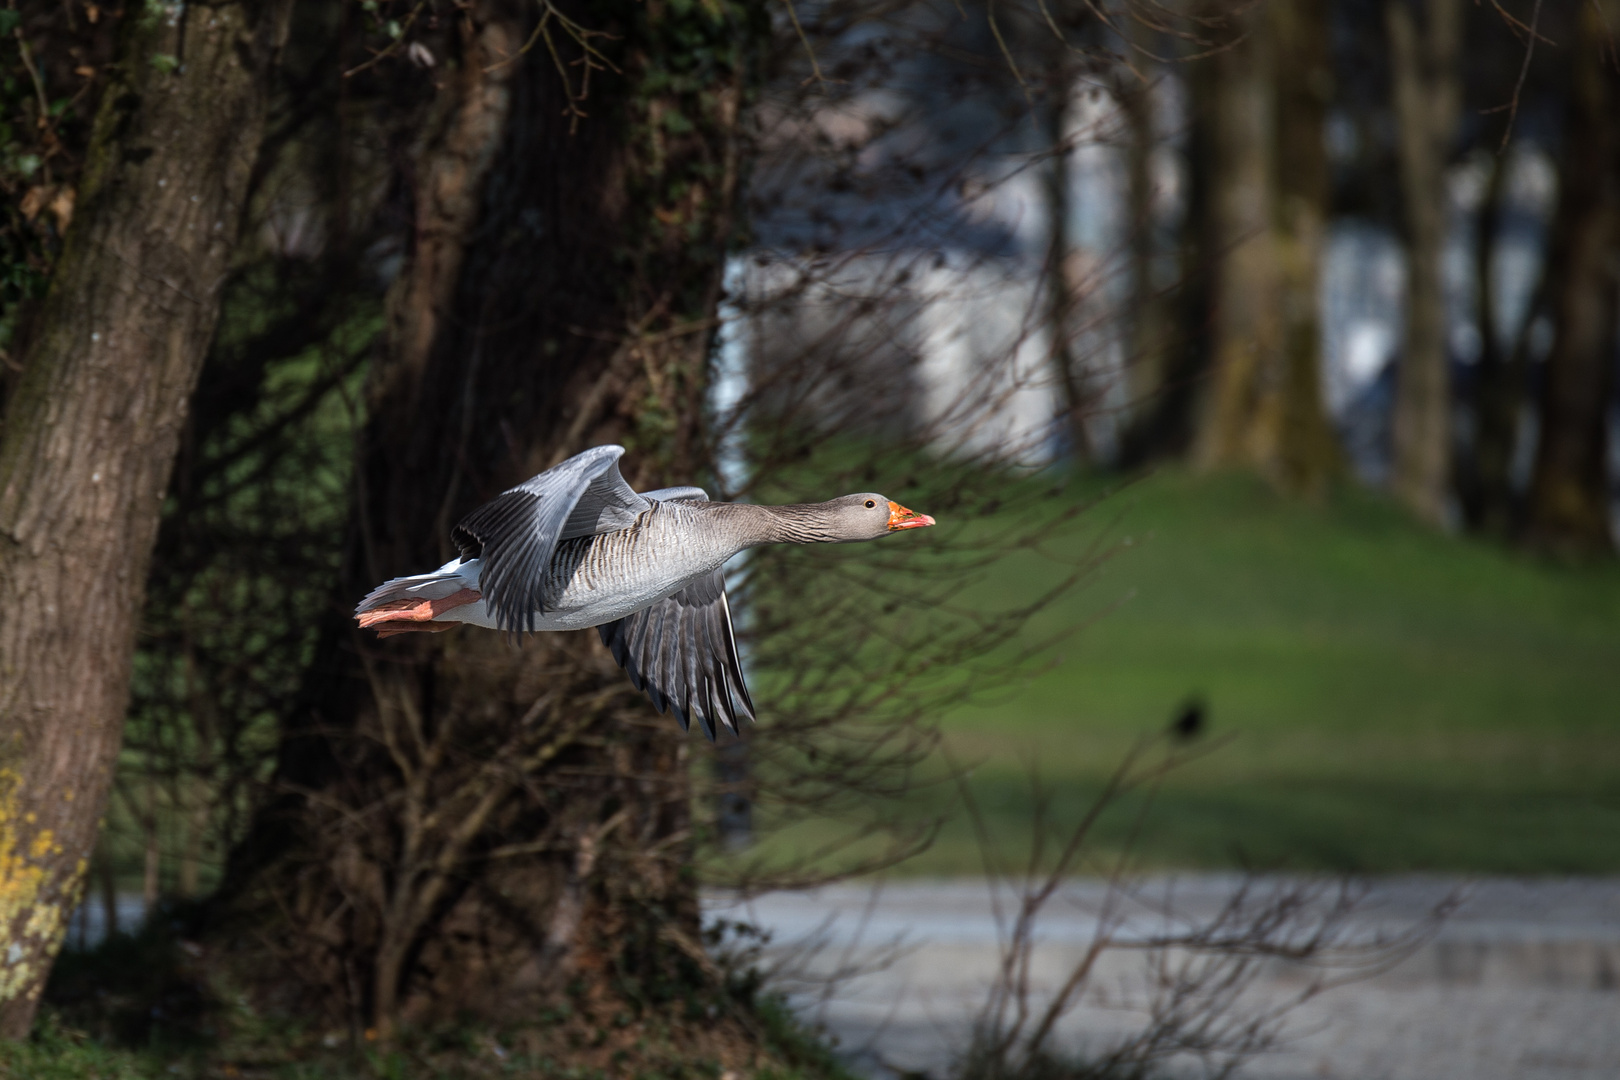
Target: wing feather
[648,677]
[678,648]
[682,652]
[732,668]
[699,701]
[516,534]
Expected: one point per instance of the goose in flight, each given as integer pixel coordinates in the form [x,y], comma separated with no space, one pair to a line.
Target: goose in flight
[576,547]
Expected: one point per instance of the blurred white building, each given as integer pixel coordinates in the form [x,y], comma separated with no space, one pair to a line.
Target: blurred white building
[936,347]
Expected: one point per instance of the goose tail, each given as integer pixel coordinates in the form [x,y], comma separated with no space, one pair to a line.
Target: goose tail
[417,593]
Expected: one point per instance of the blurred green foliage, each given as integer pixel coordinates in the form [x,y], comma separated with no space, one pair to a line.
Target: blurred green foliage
[28,239]
[250,548]
[55,1052]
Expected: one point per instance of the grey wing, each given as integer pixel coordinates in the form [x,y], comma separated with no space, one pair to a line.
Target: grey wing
[682,652]
[516,533]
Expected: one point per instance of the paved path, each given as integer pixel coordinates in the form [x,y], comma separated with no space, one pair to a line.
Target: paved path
[1521,980]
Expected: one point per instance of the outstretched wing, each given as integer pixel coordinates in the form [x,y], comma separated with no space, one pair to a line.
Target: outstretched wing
[515,534]
[683,653]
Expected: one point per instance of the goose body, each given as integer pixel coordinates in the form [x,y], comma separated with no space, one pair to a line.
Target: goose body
[591,580]
[576,547]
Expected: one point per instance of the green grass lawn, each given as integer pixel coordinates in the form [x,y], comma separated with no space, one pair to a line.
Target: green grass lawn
[1395,699]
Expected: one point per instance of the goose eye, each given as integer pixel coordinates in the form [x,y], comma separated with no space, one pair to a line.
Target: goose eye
[870,504]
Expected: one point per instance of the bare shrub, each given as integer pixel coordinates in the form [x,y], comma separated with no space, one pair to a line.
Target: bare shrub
[1201,983]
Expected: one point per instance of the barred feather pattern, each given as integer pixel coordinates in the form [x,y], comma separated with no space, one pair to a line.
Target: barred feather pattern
[682,652]
[591,580]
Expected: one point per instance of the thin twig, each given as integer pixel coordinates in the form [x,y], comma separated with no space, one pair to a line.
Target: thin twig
[804,39]
[1524,71]
[398,43]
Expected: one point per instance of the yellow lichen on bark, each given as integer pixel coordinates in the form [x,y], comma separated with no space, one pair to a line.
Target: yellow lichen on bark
[33,908]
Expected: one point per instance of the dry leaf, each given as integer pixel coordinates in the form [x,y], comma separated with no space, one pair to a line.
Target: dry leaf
[33,201]
[58,199]
[61,208]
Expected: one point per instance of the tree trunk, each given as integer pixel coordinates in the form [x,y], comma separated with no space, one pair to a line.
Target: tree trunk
[1241,415]
[1569,492]
[1166,423]
[1063,292]
[468,829]
[1307,455]
[1427,95]
[1263,407]
[1484,485]
[91,433]
[1147,313]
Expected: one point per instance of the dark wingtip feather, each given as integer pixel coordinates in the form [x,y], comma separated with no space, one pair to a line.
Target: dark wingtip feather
[681,652]
[706,718]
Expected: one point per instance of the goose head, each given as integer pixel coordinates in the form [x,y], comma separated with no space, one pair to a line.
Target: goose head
[868,516]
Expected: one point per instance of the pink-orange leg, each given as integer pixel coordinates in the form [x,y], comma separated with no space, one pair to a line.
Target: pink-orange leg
[404,616]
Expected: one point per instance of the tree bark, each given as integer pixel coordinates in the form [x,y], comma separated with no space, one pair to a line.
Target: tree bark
[1167,422]
[1241,414]
[1263,407]
[1307,455]
[91,433]
[1569,492]
[467,829]
[1427,95]
[1485,483]
[1147,313]
[1063,292]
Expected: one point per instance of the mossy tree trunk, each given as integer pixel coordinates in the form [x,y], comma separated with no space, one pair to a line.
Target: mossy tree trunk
[466,829]
[1266,215]
[91,432]
[1569,491]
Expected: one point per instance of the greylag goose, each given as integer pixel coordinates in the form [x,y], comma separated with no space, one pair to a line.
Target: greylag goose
[577,547]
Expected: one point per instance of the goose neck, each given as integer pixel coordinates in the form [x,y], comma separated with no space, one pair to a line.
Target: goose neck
[796,523]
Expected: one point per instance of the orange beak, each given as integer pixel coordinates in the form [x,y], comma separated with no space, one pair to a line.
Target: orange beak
[901,518]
